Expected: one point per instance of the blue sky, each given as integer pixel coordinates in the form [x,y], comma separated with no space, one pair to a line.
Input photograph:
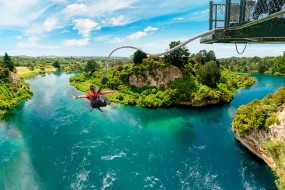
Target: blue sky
[96,27]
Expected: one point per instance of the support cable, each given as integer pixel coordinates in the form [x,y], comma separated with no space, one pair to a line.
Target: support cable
[242,50]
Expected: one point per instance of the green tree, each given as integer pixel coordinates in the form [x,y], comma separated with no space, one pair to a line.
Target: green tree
[184,88]
[210,56]
[31,67]
[203,56]
[209,74]
[178,57]
[279,64]
[4,74]
[7,61]
[138,57]
[256,59]
[92,66]
[56,64]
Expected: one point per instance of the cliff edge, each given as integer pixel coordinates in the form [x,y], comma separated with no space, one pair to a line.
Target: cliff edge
[268,144]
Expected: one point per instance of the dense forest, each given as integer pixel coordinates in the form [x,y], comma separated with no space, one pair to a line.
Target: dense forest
[266,65]
[12,88]
[203,81]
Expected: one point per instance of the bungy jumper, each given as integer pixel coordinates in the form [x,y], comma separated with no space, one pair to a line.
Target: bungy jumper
[100,100]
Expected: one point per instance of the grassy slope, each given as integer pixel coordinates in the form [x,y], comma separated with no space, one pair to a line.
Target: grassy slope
[25,72]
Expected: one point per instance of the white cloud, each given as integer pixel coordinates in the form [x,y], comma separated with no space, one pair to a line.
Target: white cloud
[64,31]
[40,28]
[133,10]
[149,29]
[97,8]
[85,26]
[19,37]
[118,40]
[135,36]
[75,9]
[104,38]
[20,12]
[78,43]
[179,18]
[29,42]
[59,1]
[50,24]
[200,15]
[114,21]
[117,21]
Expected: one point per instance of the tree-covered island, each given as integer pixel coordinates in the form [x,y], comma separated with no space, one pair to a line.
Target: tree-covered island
[175,79]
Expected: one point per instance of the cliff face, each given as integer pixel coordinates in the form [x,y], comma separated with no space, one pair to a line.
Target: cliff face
[156,77]
[14,79]
[256,139]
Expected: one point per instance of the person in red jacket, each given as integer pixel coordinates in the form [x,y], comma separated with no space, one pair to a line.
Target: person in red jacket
[96,99]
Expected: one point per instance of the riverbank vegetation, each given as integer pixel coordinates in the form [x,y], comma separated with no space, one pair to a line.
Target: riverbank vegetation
[204,81]
[12,88]
[259,114]
[266,65]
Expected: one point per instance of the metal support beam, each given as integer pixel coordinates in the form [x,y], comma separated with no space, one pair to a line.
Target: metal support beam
[227,14]
[242,12]
[211,16]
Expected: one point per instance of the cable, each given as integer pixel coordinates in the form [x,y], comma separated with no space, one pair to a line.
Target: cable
[242,50]
[163,53]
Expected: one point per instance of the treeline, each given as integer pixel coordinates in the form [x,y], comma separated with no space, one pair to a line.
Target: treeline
[266,65]
[12,89]
[66,64]
[204,80]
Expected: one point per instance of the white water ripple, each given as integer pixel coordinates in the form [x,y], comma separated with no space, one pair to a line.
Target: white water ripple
[153,182]
[109,179]
[191,177]
[112,157]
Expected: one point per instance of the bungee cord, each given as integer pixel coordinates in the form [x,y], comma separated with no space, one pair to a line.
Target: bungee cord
[159,54]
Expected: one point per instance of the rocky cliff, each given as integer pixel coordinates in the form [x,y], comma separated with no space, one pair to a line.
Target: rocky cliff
[256,140]
[14,79]
[157,77]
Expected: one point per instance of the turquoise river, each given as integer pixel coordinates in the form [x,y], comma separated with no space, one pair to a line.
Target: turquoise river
[54,142]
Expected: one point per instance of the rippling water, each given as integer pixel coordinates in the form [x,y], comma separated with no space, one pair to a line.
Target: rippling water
[52,141]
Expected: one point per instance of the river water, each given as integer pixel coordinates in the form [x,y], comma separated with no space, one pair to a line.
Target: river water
[52,141]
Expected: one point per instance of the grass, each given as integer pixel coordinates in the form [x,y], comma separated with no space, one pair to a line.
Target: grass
[25,72]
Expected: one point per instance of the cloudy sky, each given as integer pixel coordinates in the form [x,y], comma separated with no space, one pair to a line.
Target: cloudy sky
[96,27]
